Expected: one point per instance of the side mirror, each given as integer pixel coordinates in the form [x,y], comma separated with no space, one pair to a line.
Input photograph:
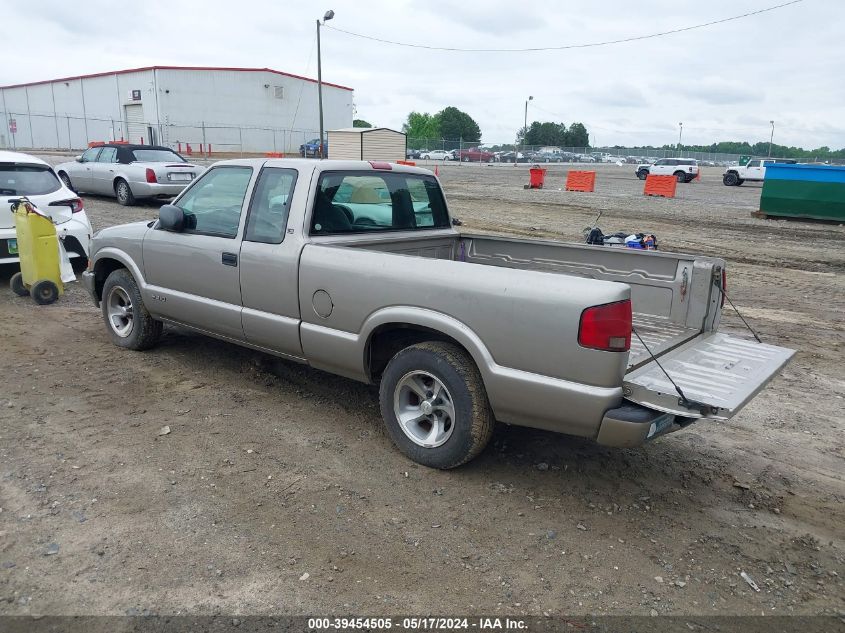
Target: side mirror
[171,218]
[78,159]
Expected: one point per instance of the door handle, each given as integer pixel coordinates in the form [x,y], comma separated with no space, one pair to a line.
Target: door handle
[229,259]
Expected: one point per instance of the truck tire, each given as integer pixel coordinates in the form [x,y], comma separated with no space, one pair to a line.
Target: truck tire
[730,179]
[435,406]
[123,192]
[128,323]
[16,284]
[66,181]
[642,174]
[680,176]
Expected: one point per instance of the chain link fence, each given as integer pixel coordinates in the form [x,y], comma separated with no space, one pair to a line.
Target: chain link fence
[71,133]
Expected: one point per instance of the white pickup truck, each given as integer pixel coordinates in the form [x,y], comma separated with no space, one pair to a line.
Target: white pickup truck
[355,268]
[753,171]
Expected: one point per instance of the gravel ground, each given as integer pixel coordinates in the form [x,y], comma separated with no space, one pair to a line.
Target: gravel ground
[277,492]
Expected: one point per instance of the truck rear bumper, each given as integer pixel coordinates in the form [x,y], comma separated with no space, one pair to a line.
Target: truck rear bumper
[632,425]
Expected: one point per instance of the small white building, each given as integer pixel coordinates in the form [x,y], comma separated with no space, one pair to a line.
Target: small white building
[366,143]
[231,109]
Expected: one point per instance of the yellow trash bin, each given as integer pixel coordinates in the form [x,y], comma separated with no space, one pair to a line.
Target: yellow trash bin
[38,249]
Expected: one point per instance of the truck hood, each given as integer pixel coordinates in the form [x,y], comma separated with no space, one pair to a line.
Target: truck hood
[116,235]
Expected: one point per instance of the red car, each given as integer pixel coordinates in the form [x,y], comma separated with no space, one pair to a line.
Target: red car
[475,155]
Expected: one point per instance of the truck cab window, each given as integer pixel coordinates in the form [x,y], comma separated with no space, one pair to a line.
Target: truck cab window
[360,202]
[213,205]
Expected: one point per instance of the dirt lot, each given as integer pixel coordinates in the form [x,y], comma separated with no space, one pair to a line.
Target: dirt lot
[277,491]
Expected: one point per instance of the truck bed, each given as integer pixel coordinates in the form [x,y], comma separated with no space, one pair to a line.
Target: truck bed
[671,293]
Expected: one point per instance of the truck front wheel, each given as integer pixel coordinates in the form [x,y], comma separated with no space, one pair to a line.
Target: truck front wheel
[730,179]
[435,406]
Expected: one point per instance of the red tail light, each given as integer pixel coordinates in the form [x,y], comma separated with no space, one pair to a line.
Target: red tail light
[75,204]
[606,327]
[151,175]
[724,285]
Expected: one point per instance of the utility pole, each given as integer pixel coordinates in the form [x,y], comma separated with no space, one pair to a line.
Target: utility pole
[524,132]
[680,135]
[771,138]
[328,16]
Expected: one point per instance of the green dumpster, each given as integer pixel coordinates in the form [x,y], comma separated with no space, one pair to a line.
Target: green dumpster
[804,191]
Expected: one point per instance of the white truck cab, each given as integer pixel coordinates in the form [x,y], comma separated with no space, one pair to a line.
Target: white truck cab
[754,170]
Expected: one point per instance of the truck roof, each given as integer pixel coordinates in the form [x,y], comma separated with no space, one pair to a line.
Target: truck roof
[304,164]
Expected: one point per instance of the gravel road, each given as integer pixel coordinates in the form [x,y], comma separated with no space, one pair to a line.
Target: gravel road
[276,490]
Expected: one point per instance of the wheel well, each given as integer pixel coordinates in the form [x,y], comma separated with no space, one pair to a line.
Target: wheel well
[102,269]
[116,180]
[388,339]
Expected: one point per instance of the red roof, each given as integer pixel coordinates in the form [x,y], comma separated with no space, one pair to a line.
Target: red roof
[135,70]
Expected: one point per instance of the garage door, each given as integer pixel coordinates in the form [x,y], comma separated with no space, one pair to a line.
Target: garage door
[135,127]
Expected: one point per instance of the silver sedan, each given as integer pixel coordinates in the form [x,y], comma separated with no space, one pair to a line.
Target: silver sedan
[129,172]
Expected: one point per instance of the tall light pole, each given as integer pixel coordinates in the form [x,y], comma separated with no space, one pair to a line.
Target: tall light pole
[524,131]
[328,16]
[680,135]
[772,137]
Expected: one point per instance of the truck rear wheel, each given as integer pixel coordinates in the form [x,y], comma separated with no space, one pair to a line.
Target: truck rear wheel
[680,176]
[642,174]
[435,406]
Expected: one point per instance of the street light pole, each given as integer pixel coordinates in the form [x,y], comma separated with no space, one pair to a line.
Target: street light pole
[771,138]
[680,135]
[328,16]
[524,131]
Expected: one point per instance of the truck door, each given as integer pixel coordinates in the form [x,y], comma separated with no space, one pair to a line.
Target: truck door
[754,170]
[193,276]
[269,264]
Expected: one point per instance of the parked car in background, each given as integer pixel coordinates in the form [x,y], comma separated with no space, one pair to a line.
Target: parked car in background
[414,153]
[372,282]
[311,149]
[585,158]
[683,169]
[550,155]
[437,154]
[129,172]
[24,175]
[475,155]
[753,171]
[513,157]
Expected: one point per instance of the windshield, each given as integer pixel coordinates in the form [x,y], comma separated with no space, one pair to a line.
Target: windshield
[355,202]
[157,156]
[27,180]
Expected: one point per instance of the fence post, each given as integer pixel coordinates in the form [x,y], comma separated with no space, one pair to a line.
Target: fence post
[203,132]
[241,141]
[274,141]
[69,140]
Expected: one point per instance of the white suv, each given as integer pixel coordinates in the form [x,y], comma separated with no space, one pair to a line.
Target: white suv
[683,169]
[25,175]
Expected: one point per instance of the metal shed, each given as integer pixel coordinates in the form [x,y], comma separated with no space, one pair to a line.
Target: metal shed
[367,143]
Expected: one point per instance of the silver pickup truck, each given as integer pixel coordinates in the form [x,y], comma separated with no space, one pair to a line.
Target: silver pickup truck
[355,268]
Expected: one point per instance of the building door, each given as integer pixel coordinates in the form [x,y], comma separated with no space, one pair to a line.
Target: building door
[135,128]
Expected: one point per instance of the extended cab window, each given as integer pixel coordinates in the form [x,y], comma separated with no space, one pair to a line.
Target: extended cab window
[356,202]
[213,205]
[753,163]
[268,213]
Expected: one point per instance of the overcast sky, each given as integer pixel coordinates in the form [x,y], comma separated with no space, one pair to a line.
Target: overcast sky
[724,82]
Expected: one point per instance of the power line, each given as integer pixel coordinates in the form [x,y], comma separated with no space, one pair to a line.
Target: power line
[566,46]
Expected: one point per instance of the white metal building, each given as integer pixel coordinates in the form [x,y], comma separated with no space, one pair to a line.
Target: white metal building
[366,143]
[231,109]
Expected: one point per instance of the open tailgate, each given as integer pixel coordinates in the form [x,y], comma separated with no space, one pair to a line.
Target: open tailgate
[720,371]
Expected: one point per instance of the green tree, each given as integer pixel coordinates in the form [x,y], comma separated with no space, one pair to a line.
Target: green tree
[422,129]
[361,123]
[577,136]
[457,126]
[546,133]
